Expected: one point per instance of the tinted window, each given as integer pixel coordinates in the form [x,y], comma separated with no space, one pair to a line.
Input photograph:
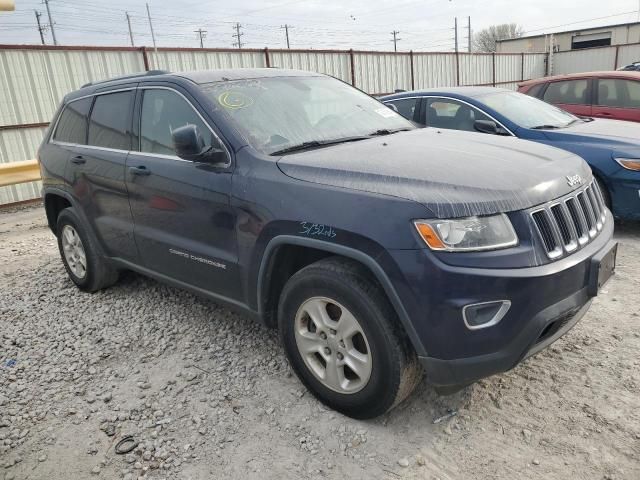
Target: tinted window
[536,90]
[72,126]
[572,92]
[405,107]
[618,93]
[451,114]
[162,112]
[109,123]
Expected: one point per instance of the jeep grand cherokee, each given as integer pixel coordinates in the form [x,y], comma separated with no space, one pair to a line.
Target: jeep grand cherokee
[376,248]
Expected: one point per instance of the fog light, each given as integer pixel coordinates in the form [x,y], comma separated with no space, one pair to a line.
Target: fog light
[486,314]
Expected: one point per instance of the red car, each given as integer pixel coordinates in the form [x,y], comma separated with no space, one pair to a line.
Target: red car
[613,95]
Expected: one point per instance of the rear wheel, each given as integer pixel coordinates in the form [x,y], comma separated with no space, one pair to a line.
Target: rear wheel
[80,255]
[343,340]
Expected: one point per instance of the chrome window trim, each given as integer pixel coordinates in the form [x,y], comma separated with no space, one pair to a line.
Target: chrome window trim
[160,155]
[467,104]
[90,147]
[502,311]
[144,154]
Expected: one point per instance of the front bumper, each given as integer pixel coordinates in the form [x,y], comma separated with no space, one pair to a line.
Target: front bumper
[542,330]
[546,302]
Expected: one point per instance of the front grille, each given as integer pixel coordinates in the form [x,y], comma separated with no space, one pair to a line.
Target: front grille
[567,224]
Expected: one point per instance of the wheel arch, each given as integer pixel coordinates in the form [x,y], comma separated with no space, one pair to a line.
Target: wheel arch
[54,202]
[265,283]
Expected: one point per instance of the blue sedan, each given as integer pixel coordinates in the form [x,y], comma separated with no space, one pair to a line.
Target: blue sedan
[610,147]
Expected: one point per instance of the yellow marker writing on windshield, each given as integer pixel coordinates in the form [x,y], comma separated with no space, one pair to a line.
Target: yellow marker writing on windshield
[234,100]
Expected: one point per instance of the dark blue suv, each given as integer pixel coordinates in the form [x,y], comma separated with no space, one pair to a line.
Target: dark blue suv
[376,248]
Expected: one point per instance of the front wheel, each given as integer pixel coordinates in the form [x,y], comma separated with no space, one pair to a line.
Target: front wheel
[343,339]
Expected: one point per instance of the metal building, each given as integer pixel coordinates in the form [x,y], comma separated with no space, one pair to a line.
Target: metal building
[608,35]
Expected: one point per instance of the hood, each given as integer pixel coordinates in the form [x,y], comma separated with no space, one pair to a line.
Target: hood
[615,132]
[453,174]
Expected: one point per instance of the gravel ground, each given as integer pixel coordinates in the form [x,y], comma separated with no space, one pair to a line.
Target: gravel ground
[209,394]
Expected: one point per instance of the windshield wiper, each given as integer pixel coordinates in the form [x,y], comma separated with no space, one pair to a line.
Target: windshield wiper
[575,120]
[386,131]
[546,127]
[300,147]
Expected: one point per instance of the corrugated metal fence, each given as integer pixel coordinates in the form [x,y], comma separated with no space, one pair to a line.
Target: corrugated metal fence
[35,78]
[595,59]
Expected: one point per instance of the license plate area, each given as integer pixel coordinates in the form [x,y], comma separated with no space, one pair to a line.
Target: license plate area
[603,267]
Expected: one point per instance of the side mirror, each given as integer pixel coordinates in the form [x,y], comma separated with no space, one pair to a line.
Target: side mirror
[189,144]
[489,126]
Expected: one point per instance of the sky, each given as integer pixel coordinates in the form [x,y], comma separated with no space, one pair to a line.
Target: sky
[423,25]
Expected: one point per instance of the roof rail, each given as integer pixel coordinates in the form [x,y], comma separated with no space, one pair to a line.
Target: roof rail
[126,77]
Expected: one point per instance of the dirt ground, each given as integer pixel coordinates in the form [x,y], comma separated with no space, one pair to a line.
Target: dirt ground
[207,394]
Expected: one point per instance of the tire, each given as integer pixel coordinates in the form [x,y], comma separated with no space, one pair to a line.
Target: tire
[90,272]
[605,192]
[386,369]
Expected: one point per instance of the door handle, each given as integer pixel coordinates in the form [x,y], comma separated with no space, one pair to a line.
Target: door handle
[606,114]
[78,160]
[142,170]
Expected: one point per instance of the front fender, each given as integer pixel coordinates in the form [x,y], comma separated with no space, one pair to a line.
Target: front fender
[379,263]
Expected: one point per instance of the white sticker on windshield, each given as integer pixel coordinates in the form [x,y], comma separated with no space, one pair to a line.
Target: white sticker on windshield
[385,112]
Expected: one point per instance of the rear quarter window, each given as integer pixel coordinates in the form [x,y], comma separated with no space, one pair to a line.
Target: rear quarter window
[536,90]
[72,125]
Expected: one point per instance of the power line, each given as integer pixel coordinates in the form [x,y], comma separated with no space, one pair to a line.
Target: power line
[237,35]
[583,21]
[202,34]
[395,40]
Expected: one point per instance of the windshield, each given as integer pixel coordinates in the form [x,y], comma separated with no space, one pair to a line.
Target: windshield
[526,111]
[277,113]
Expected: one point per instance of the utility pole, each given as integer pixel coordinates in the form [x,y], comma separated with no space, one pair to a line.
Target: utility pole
[237,35]
[41,29]
[202,34]
[469,34]
[395,40]
[286,31]
[153,36]
[53,31]
[455,27]
[130,31]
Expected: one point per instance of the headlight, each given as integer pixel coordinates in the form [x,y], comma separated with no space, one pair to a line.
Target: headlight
[629,163]
[468,234]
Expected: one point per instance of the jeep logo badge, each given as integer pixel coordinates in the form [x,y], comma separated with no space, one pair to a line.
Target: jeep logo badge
[574,180]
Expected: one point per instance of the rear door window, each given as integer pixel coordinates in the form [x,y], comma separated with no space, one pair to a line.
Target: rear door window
[405,107]
[72,126]
[618,93]
[109,125]
[570,92]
